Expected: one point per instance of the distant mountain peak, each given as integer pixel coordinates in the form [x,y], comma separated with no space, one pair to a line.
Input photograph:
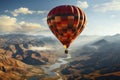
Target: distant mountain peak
[117,35]
[101,42]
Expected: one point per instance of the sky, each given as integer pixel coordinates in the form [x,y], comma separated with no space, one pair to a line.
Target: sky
[29,16]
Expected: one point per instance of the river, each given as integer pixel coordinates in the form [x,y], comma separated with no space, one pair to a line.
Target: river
[49,70]
[60,62]
[56,65]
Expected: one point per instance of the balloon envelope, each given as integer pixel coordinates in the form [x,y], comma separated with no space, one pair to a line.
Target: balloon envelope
[66,22]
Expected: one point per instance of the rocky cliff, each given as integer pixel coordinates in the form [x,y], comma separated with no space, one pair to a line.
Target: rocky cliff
[13,69]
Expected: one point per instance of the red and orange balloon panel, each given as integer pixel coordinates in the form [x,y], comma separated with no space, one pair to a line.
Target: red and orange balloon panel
[66,22]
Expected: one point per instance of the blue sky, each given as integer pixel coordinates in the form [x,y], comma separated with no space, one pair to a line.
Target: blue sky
[29,16]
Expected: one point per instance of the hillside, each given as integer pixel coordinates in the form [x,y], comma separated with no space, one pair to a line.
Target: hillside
[97,61]
[34,50]
[20,56]
[11,68]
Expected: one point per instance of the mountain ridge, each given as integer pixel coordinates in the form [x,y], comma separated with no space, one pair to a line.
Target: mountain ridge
[102,61]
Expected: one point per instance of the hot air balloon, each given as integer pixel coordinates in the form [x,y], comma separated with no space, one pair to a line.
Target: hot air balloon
[66,22]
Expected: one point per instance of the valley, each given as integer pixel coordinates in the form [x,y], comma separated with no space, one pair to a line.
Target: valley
[42,58]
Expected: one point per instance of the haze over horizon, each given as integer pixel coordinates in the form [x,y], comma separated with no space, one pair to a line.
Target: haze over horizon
[29,17]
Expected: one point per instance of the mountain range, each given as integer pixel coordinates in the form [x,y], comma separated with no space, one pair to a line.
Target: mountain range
[93,57]
[19,57]
[99,60]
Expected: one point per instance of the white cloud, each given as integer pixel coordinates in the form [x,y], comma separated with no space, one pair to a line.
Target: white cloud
[113,5]
[83,4]
[7,24]
[113,16]
[41,12]
[6,11]
[24,10]
[40,48]
[30,27]
[10,25]
[44,20]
